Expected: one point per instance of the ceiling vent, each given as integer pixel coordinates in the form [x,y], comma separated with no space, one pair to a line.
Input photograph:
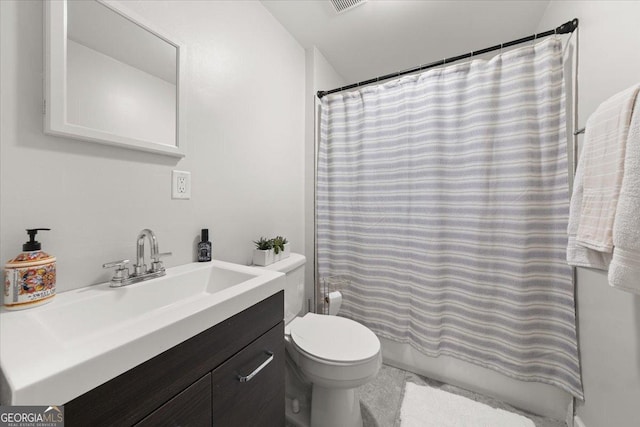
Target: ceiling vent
[344,5]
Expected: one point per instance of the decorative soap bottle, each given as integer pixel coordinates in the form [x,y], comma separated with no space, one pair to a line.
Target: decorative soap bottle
[30,278]
[204,246]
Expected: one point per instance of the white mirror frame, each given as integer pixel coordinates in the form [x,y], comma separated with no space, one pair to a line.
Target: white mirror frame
[55,100]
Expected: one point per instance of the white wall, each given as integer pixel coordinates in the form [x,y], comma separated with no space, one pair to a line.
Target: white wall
[245,147]
[320,75]
[106,94]
[608,319]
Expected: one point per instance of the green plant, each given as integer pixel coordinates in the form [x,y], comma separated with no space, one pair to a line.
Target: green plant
[278,244]
[264,244]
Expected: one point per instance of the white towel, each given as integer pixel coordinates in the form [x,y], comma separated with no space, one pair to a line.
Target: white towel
[624,271]
[603,167]
[577,255]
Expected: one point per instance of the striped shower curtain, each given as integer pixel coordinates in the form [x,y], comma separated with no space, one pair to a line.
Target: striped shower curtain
[442,206]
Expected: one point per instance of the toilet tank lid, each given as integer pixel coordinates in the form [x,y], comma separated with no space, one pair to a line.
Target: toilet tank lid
[288,264]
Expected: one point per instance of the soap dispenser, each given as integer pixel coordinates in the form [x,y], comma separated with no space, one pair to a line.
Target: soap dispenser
[30,278]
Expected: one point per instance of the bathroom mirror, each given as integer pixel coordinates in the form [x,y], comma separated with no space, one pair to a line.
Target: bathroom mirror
[111,78]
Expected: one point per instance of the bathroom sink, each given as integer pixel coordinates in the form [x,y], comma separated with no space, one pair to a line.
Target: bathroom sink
[90,335]
[115,308]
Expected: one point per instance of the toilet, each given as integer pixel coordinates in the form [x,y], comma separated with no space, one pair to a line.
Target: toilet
[333,354]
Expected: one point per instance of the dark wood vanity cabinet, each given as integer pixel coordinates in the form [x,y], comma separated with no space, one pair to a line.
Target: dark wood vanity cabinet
[192,408]
[198,382]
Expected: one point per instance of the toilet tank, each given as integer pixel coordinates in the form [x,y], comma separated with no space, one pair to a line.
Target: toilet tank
[293,268]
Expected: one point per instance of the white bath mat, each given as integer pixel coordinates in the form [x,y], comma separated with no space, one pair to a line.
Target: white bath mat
[429,407]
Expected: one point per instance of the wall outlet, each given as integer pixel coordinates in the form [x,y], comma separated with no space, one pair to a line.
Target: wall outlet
[180,185]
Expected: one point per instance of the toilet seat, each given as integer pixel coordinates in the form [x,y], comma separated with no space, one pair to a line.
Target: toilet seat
[333,339]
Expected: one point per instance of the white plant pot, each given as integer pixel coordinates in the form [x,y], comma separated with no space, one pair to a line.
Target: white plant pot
[287,250]
[277,256]
[263,257]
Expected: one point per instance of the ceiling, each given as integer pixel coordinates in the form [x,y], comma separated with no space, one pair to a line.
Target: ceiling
[383,36]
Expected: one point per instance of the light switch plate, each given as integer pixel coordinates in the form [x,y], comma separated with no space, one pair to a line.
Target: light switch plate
[180,185]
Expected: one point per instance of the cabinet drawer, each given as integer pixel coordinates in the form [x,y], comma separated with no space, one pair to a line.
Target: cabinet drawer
[191,408]
[258,401]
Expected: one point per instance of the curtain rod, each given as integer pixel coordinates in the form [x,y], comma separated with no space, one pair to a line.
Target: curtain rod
[567,27]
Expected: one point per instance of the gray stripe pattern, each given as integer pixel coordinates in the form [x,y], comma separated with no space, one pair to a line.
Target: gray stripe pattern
[442,206]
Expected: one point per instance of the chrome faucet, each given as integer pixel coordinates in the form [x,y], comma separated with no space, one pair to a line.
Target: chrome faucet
[121,276]
[140,267]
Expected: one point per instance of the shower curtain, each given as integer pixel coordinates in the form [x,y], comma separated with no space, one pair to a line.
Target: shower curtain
[442,206]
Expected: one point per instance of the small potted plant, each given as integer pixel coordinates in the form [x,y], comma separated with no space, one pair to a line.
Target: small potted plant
[285,247]
[263,254]
[278,247]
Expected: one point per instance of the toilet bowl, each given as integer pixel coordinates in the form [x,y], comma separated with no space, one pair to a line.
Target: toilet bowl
[337,356]
[334,354]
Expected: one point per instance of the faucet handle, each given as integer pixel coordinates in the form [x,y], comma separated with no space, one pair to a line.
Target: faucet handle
[120,264]
[156,264]
[121,273]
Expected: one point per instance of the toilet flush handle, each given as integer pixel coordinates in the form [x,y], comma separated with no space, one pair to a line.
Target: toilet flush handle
[245,378]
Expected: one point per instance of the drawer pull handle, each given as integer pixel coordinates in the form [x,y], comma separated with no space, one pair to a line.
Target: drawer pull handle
[244,379]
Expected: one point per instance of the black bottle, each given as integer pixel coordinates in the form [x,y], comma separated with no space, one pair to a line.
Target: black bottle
[204,247]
